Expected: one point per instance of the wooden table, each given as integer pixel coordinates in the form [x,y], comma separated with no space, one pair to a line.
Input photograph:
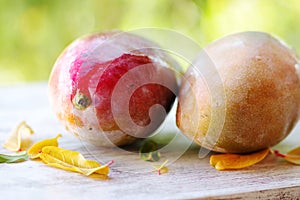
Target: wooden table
[188,177]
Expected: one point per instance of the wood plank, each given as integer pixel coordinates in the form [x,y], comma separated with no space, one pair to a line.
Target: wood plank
[188,177]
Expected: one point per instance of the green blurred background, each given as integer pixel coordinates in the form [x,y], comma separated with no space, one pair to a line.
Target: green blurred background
[34,32]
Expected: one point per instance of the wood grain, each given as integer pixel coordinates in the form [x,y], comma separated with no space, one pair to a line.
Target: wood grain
[130,178]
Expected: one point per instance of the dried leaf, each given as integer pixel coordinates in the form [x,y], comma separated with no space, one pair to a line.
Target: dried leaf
[36,149]
[71,161]
[161,169]
[148,151]
[19,138]
[294,152]
[13,158]
[292,156]
[236,161]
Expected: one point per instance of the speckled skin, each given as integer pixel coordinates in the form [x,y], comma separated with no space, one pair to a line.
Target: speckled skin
[260,78]
[83,82]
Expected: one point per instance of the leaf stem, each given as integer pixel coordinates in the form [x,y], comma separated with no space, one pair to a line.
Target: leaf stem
[276,153]
[110,163]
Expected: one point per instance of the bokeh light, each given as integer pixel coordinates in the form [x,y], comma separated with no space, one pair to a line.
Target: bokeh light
[34,32]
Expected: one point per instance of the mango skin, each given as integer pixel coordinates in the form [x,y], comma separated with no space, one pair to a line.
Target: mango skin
[83,90]
[260,79]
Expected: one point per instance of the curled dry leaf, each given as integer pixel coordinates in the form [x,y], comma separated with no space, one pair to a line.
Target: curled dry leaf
[13,158]
[36,149]
[161,169]
[19,138]
[237,161]
[292,156]
[72,161]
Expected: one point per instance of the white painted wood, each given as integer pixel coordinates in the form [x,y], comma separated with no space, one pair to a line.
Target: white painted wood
[188,177]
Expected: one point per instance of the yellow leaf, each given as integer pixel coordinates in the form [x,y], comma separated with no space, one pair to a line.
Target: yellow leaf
[161,169]
[292,156]
[294,152]
[19,138]
[71,161]
[36,149]
[236,161]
